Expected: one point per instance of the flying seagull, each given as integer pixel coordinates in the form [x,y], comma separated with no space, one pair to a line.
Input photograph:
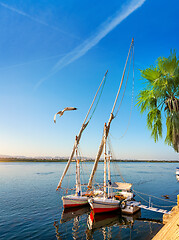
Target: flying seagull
[62,112]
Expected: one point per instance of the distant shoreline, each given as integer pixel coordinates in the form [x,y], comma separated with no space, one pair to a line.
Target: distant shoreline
[90,160]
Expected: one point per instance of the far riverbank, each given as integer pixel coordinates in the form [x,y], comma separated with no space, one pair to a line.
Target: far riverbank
[86,160]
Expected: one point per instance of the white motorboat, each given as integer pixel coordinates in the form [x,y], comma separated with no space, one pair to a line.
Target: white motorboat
[129,207]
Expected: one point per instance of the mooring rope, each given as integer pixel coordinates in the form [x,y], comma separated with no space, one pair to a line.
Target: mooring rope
[153,203]
[136,192]
[149,195]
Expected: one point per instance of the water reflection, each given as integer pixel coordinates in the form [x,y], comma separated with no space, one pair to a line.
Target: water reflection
[82,223]
[70,213]
[56,225]
[102,222]
[106,221]
[177,177]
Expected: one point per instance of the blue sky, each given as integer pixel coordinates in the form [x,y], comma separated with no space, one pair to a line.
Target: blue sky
[55,53]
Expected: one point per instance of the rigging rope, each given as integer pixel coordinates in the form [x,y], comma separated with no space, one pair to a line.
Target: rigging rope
[125,84]
[98,99]
[116,166]
[83,169]
[132,100]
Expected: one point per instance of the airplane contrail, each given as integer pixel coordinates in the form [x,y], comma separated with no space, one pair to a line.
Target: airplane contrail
[36,19]
[105,28]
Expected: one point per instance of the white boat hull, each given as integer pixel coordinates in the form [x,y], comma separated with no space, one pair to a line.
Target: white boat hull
[74,201]
[101,205]
[130,207]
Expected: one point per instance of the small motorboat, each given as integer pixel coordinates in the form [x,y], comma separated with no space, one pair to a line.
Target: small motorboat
[129,207]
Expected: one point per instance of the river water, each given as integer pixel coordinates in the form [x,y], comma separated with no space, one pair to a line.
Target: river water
[30,208]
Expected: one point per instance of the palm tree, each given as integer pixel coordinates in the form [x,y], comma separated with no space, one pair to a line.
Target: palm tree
[160,98]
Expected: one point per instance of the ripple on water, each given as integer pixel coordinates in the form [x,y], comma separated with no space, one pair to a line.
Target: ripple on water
[44,173]
[30,208]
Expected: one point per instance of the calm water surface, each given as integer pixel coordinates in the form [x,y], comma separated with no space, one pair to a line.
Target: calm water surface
[30,208]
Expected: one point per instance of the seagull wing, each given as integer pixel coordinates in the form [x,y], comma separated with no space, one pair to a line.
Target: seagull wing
[55,118]
[60,113]
[69,108]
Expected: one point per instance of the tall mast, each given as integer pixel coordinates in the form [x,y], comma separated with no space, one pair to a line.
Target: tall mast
[109,176]
[77,140]
[105,156]
[109,123]
[78,183]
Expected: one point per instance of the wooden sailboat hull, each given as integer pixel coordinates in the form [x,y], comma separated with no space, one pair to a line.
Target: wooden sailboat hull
[101,205]
[74,201]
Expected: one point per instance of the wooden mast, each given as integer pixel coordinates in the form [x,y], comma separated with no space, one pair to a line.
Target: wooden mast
[78,183]
[109,177]
[109,123]
[77,140]
[105,159]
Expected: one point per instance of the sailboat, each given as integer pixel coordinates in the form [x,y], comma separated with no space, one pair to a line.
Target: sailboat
[109,201]
[79,198]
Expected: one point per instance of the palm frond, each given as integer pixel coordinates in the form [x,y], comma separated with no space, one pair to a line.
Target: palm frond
[162,89]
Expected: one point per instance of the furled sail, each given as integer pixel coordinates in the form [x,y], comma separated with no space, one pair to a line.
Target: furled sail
[122,186]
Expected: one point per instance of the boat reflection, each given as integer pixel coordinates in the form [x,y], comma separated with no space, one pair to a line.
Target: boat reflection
[71,213]
[56,225]
[107,220]
[104,222]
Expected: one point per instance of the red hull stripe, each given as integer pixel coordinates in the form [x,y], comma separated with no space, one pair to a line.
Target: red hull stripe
[101,210]
[73,205]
